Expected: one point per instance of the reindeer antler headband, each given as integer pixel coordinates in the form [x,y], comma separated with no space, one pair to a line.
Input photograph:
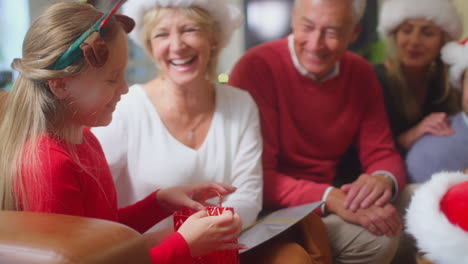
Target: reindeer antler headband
[90,44]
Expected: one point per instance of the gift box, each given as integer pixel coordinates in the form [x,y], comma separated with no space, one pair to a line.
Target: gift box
[217,257]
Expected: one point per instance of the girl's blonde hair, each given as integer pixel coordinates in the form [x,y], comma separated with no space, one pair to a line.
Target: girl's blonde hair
[31,109]
[408,103]
[200,16]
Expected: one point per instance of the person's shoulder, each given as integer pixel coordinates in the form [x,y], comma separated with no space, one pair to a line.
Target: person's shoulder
[360,74]
[48,143]
[431,150]
[235,95]
[236,99]
[53,153]
[432,145]
[355,61]
[459,123]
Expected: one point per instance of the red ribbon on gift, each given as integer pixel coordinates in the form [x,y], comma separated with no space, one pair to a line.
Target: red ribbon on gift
[217,257]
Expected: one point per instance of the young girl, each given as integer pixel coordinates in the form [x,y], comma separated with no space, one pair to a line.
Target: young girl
[71,77]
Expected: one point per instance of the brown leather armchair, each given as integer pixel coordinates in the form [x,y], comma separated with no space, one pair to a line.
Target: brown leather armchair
[37,238]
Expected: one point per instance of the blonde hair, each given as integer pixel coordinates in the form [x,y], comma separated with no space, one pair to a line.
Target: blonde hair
[31,109]
[408,103]
[200,16]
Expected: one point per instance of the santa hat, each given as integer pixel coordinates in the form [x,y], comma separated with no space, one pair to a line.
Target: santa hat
[226,15]
[438,218]
[440,12]
[456,56]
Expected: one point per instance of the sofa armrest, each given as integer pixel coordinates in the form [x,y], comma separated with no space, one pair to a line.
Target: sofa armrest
[37,238]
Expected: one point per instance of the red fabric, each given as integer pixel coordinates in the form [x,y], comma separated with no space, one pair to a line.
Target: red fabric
[62,186]
[307,125]
[454,205]
[173,249]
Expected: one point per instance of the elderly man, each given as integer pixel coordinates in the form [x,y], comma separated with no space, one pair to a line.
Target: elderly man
[316,100]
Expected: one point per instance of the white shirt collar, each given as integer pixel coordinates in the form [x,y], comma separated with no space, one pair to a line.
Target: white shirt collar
[335,71]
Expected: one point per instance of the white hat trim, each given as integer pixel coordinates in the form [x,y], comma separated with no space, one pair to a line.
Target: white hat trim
[227,15]
[443,242]
[456,55]
[440,12]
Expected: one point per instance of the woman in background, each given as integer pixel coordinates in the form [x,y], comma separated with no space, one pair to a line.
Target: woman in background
[432,154]
[417,95]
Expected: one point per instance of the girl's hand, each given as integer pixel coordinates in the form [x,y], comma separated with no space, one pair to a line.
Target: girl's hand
[205,234]
[175,198]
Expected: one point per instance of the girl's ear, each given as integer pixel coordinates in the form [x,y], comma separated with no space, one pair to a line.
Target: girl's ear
[59,88]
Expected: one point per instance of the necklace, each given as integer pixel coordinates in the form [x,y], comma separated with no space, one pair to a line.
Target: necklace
[191,132]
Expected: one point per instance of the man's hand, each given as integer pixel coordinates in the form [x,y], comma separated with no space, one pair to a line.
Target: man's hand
[379,220]
[367,190]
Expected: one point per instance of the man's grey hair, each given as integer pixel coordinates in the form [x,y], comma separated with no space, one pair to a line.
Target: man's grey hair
[359,6]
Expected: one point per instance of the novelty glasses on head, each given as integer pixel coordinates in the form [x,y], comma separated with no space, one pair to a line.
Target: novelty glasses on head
[75,51]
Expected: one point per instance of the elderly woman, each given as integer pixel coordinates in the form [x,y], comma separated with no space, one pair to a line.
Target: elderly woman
[182,127]
[413,76]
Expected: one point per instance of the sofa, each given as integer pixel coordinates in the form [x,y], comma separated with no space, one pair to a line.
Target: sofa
[37,238]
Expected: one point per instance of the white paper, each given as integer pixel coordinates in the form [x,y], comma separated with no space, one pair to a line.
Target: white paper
[273,224]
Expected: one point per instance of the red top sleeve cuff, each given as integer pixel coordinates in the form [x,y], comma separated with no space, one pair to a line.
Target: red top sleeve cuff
[173,249]
[144,214]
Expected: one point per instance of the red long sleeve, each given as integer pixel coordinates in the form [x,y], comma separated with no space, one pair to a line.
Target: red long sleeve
[173,249]
[85,188]
[307,125]
[143,214]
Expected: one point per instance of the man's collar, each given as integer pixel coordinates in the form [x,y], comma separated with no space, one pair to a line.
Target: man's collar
[335,71]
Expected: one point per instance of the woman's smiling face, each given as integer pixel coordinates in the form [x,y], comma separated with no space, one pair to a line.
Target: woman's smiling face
[181,47]
[418,42]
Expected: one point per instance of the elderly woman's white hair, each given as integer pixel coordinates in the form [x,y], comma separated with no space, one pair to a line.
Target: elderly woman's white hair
[226,15]
[441,12]
[359,6]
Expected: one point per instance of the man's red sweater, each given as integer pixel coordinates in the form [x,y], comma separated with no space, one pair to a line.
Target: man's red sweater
[308,125]
[64,186]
